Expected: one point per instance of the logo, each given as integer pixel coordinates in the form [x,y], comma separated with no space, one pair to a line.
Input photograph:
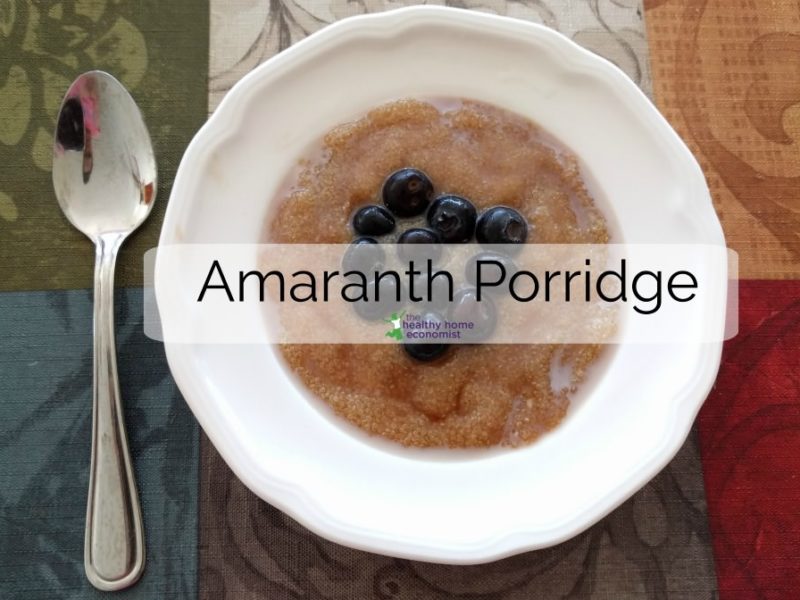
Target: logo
[396,321]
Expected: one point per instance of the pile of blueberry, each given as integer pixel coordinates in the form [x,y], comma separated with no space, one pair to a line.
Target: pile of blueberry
[451,219]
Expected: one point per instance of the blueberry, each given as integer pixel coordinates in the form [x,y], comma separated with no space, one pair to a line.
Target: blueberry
[387,301]
[427,351]
[489,272]
[466,308]
[407,192]
[415,236]
[364,254]
[418,235]
[453,217]
[69,130]
[501,225]
[373,220]
[438,296]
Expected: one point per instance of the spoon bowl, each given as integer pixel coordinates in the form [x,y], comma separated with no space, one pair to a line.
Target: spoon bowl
[104,169]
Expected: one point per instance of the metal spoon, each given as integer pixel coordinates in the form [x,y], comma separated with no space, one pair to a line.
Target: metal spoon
[104,174]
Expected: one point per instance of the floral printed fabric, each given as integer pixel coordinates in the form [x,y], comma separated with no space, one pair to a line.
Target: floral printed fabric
[45,424]
[728,82]
[244,33]
[157,49]
[724,74]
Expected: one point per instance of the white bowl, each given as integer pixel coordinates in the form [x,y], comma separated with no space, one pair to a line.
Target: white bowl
[439,506]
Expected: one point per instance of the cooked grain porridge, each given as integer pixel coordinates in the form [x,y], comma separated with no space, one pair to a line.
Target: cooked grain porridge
[473,395]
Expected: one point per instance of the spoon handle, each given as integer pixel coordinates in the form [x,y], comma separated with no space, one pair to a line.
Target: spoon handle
[114,543]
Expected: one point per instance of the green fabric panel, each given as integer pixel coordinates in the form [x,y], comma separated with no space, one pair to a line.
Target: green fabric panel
[158,49]
[45,429]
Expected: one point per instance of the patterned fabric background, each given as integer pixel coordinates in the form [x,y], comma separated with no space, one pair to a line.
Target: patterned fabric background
[726,76]
[727,80]
[160,51]
[722,520]
[245,33]
[45,423]
[157,49]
